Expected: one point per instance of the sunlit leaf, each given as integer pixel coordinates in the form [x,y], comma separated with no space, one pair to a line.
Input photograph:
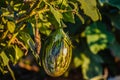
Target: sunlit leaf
[61,2]
[18,53]
[98,37]
[69,16]
[90,9]
[5,12]
[11,53]
[4,20]
[17,6]
[45,28]
[89,62]
[2,70]
[26,38]
[4,58]
[11,26]
[1,26]
[90,67]
[31,45]
[85,65]
[77,62]
[56,14]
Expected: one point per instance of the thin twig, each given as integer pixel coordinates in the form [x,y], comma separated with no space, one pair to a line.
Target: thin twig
[37,36]
[21,45]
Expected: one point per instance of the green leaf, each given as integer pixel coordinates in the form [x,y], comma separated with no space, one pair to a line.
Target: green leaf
[24,36]
[115,3]
[77,59]
[4,58]
[90,9]
[92,70]
[89,62]
[77,62]
[90,65]
[5,11]
[11,53]
[69,16]
[18,53]
[11,26]
[3,71]
[31,45]
[98,37]
[32,48]
[53,21]
[61,2]
[56,14]
[1,27]
[27,40]
[45,28]
[17,6]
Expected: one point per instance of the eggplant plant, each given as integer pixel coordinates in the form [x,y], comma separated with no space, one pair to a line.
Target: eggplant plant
[60,34]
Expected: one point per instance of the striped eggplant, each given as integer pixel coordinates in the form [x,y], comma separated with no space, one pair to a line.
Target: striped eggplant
[57,53]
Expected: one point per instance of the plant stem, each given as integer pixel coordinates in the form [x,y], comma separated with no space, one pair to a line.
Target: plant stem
[37,36]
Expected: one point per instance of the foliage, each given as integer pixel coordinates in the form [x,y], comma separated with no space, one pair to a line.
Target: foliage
[91,25]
